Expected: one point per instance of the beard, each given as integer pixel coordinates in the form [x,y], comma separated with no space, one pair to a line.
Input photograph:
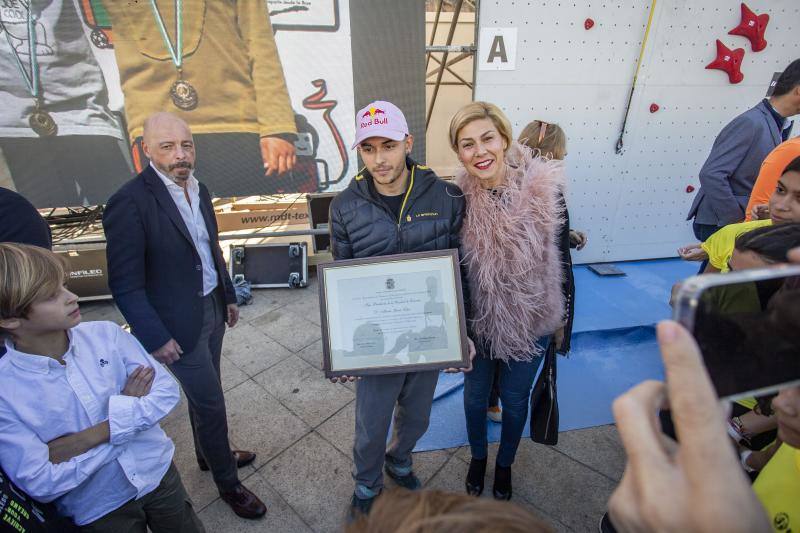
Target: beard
[180,167]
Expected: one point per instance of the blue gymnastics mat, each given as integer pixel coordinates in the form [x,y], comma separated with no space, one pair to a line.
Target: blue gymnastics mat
[613,348]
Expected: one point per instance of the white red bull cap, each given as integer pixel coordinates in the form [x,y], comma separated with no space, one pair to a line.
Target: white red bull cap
[380,119]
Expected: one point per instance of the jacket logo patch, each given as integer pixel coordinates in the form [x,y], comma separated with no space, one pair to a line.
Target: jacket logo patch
[430,214]
[103,363]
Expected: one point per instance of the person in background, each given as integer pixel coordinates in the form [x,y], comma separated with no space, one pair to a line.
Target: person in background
[514,272]
[767,180]
[549,141]
[21,222]
[696,485]
[750,424]
[728,175]
[783,207]
[80,406]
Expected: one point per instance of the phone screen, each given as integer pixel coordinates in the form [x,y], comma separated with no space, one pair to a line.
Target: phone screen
[749,334]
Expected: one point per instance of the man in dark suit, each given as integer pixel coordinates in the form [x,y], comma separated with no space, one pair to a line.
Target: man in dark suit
[728,175]
[168,278]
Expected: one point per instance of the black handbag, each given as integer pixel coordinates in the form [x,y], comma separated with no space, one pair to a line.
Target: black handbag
[544,401]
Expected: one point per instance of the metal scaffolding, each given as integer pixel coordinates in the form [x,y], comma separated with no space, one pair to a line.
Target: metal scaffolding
[464,51]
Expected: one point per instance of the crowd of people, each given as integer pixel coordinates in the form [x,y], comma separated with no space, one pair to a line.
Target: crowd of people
[81,402]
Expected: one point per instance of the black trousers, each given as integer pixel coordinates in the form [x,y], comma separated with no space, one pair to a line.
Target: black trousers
[199,374]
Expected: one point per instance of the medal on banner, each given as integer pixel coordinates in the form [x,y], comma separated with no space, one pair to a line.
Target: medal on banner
[96,17]
[183,94]
[40,121]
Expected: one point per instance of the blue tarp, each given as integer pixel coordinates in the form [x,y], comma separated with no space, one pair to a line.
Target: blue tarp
[613,348]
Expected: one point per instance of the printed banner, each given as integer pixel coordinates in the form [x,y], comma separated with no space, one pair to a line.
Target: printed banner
[79,77]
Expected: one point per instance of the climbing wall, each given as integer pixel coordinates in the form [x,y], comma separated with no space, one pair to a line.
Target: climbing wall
[574,63]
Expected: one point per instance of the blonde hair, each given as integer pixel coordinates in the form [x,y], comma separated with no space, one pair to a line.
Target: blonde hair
[546,138]
[28,274]
[433,511]
[476,111]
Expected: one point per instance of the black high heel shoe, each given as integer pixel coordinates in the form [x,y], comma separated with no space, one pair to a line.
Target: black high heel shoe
[502,482]
[475,476]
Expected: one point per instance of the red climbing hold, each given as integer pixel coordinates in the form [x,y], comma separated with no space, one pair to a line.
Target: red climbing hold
[729,61]
[752,27]
[689,189]
[654,108]
[588,24]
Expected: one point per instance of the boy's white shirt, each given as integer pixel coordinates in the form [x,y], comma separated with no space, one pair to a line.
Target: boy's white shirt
[41,400]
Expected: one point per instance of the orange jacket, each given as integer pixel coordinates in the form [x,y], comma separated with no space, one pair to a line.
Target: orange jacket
[771,170]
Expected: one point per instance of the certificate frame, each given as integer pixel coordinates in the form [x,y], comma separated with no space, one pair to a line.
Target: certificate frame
[442,266]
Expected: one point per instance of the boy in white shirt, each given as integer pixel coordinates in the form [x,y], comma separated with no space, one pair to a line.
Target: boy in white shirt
[80,406]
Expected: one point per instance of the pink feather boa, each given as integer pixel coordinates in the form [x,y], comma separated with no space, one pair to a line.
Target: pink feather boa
[513,263]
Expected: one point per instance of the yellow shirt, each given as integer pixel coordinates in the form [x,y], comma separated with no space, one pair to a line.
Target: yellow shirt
[719,246]
[229,57]
[750,403]
[778,489]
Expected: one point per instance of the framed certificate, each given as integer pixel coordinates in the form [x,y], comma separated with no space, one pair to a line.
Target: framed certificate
[392,313]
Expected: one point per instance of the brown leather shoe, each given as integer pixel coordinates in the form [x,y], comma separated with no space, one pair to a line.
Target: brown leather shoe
[243,502]
[243,458]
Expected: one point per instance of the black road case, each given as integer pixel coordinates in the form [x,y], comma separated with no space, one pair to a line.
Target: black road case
[270,265]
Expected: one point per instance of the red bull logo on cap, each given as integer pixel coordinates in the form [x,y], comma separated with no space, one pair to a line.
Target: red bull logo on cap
[372,117]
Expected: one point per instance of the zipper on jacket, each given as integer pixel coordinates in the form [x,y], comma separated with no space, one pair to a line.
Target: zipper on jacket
[408,193]
[402,208]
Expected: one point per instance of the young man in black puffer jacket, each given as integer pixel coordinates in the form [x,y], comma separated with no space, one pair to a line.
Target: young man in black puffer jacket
[393,206]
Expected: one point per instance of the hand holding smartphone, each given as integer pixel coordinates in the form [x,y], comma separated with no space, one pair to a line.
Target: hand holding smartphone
[747,325]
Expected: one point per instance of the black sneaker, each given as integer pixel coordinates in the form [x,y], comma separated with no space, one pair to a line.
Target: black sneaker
[408,481]
[359,506]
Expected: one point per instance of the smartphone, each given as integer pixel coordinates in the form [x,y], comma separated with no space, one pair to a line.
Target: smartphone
[747,325]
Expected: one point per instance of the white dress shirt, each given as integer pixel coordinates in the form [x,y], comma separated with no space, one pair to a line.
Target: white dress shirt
[193,218]
[41,400]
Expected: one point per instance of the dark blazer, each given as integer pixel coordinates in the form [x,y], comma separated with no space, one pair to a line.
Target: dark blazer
[154,270]
[728,175]
[21,222]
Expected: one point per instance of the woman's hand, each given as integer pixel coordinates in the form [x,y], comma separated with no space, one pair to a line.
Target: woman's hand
[471,347]
[577,239]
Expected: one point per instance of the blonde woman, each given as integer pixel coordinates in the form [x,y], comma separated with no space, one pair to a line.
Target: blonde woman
[514,270]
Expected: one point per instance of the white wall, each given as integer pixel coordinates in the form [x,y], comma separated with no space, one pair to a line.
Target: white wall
[632,205]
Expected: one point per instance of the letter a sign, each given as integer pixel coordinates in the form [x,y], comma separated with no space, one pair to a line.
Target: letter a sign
[497,49]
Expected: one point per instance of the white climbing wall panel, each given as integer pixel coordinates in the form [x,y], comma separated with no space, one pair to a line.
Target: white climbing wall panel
[633,205]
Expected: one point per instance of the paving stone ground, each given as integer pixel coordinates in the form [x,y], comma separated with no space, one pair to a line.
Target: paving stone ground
[301,426]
